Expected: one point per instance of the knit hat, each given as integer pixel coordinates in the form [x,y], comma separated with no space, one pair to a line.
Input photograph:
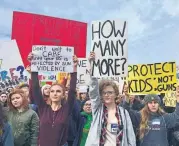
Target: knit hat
[152,97]
[43,87]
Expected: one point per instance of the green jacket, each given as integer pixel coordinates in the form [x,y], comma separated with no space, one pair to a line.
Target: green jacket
[25,127]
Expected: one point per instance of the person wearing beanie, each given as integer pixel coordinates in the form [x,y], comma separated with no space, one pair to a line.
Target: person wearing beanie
[83,92]
[152,122]
[46,92]
[85,123]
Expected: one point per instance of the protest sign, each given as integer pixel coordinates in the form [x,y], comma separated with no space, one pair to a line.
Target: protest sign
[8,83]
[32,29]
[83,72]
[82,89]
[11,65]
[61,76]
[109,42]
[46,77]
[170,99]
[152,78]
[52,59]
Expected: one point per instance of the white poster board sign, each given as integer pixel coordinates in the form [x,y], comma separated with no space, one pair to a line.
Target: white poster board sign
[83,73]
[109,42]
[52,59]
[12,71]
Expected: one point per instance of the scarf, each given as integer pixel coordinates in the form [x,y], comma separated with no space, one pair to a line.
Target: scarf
[104,127]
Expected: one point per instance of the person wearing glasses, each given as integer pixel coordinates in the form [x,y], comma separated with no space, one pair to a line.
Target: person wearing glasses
[85,123]
[111,125]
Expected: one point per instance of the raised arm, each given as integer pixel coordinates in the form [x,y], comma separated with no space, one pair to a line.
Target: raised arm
[94,88]
[72,90]
[36,91]
[94,94]
[172,119]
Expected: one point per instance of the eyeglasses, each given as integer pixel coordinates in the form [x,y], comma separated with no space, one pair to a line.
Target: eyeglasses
[107,93]
[88,104]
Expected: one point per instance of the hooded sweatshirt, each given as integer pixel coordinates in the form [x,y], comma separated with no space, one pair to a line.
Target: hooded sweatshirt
[94,134]
[156,131]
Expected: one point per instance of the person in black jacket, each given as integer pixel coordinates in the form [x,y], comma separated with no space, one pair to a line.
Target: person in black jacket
[85,123]
[135,103]
[74,122]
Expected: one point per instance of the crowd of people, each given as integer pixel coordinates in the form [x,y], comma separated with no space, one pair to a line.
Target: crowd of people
[62,115]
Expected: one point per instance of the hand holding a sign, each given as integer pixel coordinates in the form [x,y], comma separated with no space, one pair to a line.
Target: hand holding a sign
[28,69]
[92,57]
[30,57]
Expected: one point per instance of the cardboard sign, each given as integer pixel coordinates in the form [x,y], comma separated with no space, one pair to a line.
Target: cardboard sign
[32,29]
[152,78]
[170,99]
[52,59]
[109,42]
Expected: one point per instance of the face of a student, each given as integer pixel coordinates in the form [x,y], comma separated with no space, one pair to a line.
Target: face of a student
[108,95]
[17,100]
[3,98]
[125,88]
[87,107]
[83,96]
[132,97]
[26,91]
[56,93]
[153,106]
[46,91]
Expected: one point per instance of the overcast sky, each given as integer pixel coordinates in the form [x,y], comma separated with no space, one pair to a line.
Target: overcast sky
[153,25]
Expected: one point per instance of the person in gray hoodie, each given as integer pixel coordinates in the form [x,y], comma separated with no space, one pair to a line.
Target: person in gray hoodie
[111,125]
[153,122]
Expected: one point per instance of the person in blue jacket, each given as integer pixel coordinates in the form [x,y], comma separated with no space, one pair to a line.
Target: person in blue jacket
[6,137]
[85,123]
[153,123]
[74,123]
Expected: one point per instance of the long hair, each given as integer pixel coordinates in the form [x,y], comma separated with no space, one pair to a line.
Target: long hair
[25,103]
[145,113]
[106,82]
